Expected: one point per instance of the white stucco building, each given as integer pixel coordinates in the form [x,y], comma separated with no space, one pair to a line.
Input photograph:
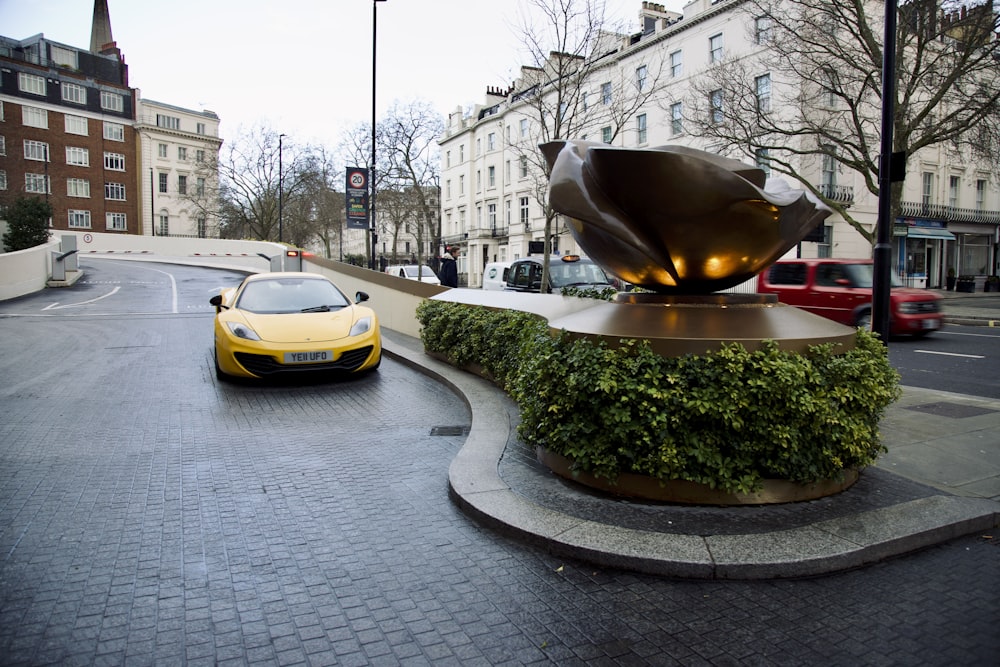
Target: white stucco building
[178,149]
[491,194]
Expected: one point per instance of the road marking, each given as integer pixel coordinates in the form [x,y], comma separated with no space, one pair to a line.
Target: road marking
[952,354]
[962,333]
[56,306]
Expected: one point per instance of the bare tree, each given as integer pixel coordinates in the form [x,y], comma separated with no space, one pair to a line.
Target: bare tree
[575,84]
[825,59]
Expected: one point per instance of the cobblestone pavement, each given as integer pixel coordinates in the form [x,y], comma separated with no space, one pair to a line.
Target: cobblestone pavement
[151,515]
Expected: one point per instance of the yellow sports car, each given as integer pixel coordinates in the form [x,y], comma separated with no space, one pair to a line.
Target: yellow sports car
[283,323]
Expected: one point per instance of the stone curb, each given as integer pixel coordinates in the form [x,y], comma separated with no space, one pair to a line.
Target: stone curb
[829,546]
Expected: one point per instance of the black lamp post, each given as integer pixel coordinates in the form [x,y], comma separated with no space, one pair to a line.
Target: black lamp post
[371,171]
[281,194]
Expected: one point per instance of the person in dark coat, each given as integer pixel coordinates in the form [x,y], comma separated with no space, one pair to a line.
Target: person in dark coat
[449,267]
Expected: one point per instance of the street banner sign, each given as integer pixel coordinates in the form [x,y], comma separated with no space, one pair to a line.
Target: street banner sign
[357,198]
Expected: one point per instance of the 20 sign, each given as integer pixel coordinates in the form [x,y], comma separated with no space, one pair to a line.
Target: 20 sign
[357,198]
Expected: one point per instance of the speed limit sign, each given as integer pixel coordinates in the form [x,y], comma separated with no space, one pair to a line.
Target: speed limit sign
[357,180]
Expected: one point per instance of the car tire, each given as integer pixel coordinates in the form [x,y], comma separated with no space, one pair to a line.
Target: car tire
[219,375]
[864,320]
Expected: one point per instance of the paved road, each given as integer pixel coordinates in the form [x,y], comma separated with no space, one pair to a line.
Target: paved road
[151,515]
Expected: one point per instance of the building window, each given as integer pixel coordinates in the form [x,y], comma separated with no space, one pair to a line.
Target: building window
[606,135]
[36,150]
[927,188]
[447,160]
[168,122]
[115,191]
[164,225]
[583,100]
[111,101]
[763,160]
[3,179]
[37,183]
[76,125]
[606,94]
[163,182]
[980,194]
[31,83]
[491,216]
[182,154]
[461,185]
[479,180]
[199,156]
[35,117]
[71,92]
[161,150]
[523,166]
[829,97]
[114,161]
[524,128]
[199,128]
[447,189]
[202,228]
[763,30]
[79,219]
[715,105]
[182,185]
[3,145]
[64,57]
[479,147]
[715,48]
[828,170]
[116,221]
[640,127]
[79,157]
[114,131]
[461,153]
[676,64]
[506,215]
[491,177]
[641,74]
[762,84]
[676,118]
[953,184]
[200,187]
[523,212]
[506,172]
[77,187]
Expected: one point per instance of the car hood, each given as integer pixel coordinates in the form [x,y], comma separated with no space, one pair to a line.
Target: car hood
[303,327]
[911,294]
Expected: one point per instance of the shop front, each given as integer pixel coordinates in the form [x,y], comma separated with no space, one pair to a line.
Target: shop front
[922,250]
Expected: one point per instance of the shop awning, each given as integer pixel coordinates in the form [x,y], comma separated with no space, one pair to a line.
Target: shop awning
[926,233]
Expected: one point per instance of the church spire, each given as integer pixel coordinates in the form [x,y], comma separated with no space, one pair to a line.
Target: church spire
[100,32]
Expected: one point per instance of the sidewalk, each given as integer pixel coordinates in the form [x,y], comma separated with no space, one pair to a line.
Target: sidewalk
[974,309]
[940,480]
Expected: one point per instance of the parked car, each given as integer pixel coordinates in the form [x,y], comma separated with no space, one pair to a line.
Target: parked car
[288,322]
[410,272]
[525,275]
[841,290]
[495,275]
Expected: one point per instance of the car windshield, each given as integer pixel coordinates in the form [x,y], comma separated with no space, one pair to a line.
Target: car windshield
[291,295]
[411,271]
[862,275]
[566,274]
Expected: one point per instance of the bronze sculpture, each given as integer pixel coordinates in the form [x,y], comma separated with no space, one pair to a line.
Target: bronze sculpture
[676,220]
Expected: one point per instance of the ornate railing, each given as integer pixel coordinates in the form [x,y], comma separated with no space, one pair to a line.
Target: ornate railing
[912,209]
[841,194]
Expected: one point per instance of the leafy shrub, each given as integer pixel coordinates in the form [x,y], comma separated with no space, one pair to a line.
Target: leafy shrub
[728,419]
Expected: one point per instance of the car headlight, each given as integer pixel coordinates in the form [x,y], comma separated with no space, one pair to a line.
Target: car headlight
[241,330]
[361,326]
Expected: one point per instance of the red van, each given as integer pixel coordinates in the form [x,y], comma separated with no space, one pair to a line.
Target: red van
[841,290]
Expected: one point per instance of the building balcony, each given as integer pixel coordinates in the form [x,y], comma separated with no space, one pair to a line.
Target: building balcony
[840,194]
[946,213]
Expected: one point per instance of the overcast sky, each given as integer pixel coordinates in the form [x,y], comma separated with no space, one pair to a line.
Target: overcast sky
[302,67]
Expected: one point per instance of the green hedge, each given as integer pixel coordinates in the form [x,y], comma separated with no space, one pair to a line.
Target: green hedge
[729,419]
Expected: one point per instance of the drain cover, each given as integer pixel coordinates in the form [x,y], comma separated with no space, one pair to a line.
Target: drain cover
[449,430]
[953,410]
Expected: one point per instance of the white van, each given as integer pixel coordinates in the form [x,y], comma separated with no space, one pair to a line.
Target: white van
[495,275]
[409,271]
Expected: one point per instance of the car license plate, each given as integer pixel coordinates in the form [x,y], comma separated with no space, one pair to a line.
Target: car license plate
[313,357]
[932,324]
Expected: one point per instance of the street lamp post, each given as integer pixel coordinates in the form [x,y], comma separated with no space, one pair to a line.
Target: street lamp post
[281,194]
[371,172]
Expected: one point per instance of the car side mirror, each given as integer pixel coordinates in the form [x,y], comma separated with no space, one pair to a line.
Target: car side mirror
[360,296]
[217,302]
